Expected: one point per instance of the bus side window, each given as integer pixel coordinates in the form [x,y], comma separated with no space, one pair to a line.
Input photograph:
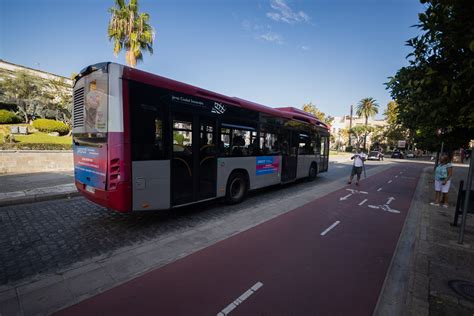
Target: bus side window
[224,142]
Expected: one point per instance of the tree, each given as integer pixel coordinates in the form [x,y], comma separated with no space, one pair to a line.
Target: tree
[130,30]
[391,113]
[367,107]
[394,130]
[360,133]
[25,91]
[342,137]
[61,94]
[436,90]
[312,109]
[35,96]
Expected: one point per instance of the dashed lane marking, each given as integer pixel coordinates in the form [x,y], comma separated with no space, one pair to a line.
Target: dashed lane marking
[363,202]
[229,308]
[389,181]
[379,189]
[330,227]
[390,199]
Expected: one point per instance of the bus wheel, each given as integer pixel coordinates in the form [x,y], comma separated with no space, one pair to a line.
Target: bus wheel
[313,172]
[236,188]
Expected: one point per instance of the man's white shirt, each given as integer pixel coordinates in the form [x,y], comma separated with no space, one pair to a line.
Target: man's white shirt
[358,162]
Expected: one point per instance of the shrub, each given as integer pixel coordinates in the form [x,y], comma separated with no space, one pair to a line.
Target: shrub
[49,126]
[8,117]
[349,149]
[23,146]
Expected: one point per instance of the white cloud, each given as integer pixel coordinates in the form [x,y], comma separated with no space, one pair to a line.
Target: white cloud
[305,47]
[271,37]
[283,13]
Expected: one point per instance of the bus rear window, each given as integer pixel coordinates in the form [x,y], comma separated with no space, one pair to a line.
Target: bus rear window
[96,101]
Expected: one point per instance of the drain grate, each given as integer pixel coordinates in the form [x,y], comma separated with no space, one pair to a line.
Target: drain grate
[463,288]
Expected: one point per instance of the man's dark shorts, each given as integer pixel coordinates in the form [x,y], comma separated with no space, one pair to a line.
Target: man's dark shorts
[356,170]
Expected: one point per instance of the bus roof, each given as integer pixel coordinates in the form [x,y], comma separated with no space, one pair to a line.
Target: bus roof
[156,80]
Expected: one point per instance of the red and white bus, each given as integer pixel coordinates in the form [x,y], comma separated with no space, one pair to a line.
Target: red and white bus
[145,142]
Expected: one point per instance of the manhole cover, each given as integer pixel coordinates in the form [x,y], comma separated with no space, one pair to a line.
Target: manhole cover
[463,288]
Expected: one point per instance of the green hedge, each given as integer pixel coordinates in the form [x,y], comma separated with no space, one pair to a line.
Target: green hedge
[8,117]
[49,126]
[23,146]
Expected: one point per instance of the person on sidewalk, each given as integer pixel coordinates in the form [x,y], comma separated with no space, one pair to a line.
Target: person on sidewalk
[443,174]
[359,158]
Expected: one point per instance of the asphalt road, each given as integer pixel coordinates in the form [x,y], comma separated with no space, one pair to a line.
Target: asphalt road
[46,237]
[328,257]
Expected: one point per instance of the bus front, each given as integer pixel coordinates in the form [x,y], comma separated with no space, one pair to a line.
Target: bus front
[101,167]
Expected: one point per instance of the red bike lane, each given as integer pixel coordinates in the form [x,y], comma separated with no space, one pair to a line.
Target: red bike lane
[329,256]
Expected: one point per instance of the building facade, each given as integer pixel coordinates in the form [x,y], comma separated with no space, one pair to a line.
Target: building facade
[342,123]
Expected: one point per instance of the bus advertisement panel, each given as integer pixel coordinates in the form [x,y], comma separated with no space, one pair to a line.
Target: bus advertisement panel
[90,165]
[267,165]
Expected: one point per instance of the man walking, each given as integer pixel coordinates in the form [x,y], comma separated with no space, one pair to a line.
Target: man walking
[359,158]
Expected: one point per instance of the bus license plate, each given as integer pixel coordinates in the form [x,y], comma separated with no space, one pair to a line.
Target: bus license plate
[90,189]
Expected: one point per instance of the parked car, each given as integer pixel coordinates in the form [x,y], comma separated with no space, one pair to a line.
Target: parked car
[375,155]
[397,154]
[410,154]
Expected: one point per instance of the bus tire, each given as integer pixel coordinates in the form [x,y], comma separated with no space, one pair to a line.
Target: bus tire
[313,171]
[236,188]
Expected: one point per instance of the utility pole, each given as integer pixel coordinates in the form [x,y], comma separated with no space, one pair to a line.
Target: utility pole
[350,124]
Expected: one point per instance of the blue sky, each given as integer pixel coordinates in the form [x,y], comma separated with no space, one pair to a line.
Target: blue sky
[274,52]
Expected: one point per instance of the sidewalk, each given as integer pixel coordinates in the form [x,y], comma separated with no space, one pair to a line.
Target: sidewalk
[35,187]
[429,261]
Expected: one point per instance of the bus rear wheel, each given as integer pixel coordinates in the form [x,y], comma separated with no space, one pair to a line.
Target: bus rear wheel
[236,188]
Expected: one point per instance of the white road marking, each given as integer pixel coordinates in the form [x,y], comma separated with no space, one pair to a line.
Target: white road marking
[356,191]
[389,181]
[396,176]
[379,189]
[363,202]
[229,308]
[329,228]
[385,208]
[345,197]
[390,199]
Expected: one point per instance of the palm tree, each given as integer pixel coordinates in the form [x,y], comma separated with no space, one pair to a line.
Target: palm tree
[130,30]
[367,107]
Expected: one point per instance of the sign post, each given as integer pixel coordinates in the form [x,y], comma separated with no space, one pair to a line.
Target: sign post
[467,197]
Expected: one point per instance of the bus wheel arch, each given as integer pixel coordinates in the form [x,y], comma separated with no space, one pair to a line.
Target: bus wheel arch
[237,186]
[313,171]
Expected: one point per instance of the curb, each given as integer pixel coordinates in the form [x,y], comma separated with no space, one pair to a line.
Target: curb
[38,198]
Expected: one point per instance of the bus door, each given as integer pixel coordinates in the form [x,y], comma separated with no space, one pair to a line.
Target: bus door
[324,157]
[289,152]
[193,161]
[207,158]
